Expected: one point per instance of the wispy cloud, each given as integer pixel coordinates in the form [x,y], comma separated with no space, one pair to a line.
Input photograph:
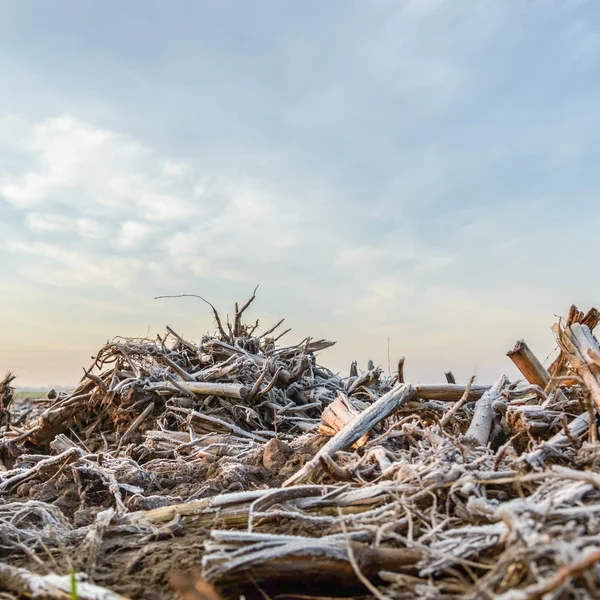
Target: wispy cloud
[423,170]
[105,210]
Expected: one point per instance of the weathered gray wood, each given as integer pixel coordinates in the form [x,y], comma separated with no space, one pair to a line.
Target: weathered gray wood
[454,409]
[354,430]
[50,587]
[580,348]
[577,427]
[12,478]
[246,499]
[337,415]
[225,424]
[448,392]
[296,557]
[483,417]
[229,390]
[559,367]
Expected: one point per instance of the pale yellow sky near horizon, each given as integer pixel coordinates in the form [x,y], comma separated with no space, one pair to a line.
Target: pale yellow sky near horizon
[57,354]
[425,171]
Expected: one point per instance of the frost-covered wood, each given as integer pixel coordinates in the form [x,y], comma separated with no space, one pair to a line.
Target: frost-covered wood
[354,430]
[481,423]
[174,453]
[49,587]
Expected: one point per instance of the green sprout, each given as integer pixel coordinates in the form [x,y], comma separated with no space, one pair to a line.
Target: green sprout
[74,595]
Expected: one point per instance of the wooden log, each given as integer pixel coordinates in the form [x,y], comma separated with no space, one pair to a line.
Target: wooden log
[229,390]
[223,501]
[379,410]
[337,415]
[316,559]
[483,417]
[558,368]
[581,349]
[526,361]
[591,319]
[447,392]
[24,583]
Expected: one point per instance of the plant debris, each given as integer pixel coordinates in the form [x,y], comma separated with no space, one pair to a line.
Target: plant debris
[240,466]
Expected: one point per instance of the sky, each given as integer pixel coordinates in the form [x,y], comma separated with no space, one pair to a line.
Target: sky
[409,178]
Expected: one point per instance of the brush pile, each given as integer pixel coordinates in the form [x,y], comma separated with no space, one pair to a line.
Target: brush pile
[237,466]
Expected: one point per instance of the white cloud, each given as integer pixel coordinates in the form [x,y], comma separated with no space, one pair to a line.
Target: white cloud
[51,223]
[399,252]
[66,266]
[175,169]
[84,167]
[132,233]
[90,228]
[30,190]
[106,197]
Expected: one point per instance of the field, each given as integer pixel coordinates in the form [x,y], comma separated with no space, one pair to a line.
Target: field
[24,395]
[244,467]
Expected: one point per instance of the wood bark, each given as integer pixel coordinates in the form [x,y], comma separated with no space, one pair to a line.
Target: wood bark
[526,361]
[401,370]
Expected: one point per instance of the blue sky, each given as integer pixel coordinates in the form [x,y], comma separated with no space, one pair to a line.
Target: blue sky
[423,170]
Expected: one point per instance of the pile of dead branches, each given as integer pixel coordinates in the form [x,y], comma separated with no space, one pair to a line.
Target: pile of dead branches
[267,474]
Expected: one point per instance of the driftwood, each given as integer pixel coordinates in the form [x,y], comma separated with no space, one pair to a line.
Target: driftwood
[337,415]
[49,587]
[290,557]
[210,455]
[352,432]
[450,392]
[582,352]
[229,390]
[481,424]
[559,367]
